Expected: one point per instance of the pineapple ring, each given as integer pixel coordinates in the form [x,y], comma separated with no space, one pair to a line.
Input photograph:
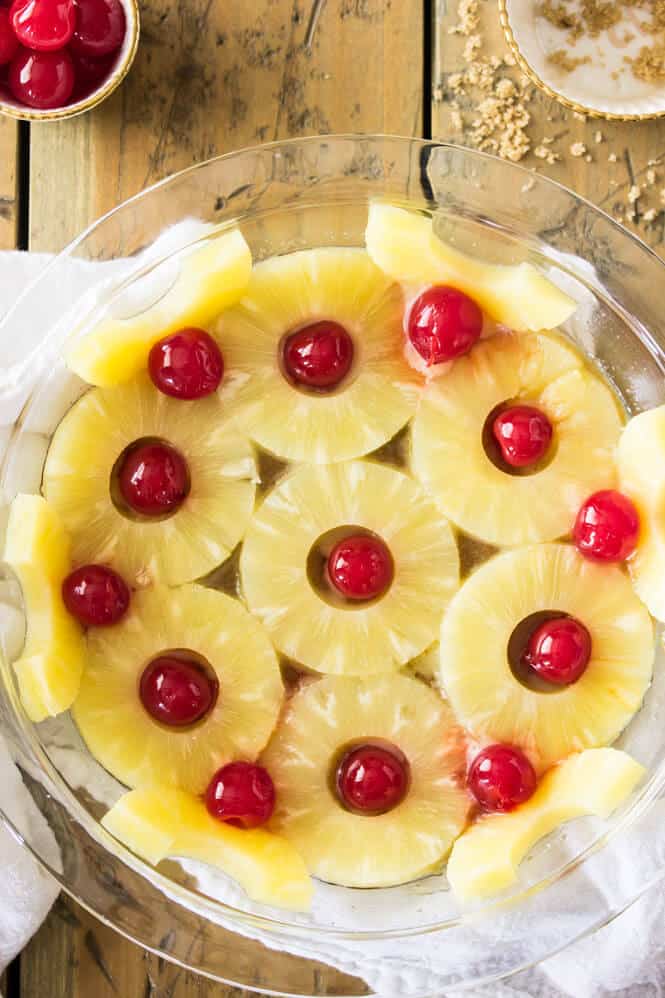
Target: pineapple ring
[208,525]
[123,737]
[357,850]
[368,638]
[641,462]
[288,292]
[475,671]
[449,458]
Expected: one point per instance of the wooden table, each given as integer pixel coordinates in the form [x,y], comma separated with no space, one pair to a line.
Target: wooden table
[214,75]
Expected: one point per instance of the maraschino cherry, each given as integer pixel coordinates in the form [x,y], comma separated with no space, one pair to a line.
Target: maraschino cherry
[559,650]
[444,323]
[153,479]
[177,691]
[319,356]
[43,80]
[523,434]
[501,777]
[8,40]
[100,27]
[43,25]
[96,595]
[360,567]
[372,779]
[241,794]
[187,364]
[607,527]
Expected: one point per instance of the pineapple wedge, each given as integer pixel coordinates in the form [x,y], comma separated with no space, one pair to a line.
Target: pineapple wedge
[403,244]
[211,279]
[476,673]
[484,860]
[448,453]
[641,463]
[370,405]
[157,822]
[358,850]
[124,738]
[201,534]
[38,551]
[365,638]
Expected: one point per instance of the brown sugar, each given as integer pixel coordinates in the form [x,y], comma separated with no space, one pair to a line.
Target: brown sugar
[649,64]
[565,62]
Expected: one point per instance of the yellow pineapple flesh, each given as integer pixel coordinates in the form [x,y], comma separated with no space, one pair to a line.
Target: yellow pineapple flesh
[157,822]
[363,638]
[641,463]
[486,857]
[119,732]
[201,534]
[37,549]
[354,850]
[475,670]
[212,277]
[449,456]
[375,400]
[403,244]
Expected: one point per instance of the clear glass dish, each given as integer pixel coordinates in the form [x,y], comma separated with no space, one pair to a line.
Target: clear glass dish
[415,940]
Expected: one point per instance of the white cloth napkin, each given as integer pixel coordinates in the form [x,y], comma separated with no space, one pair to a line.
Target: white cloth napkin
[626,957]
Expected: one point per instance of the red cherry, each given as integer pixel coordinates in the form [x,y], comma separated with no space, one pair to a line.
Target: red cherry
[177,691]
[501,777]
[95,595]
[90,73]
[523,434]
[372,779]
[100,27]
[42,80]
[607,527]
[444,323]
[186,365]
[360,567]
[559,650]
[241,794]
[318,356]
[43,25]
[8,40]
[153,479]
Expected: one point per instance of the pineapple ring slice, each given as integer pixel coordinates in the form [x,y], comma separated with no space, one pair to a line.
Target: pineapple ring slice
[49,668]
[404,245]
[475,671]
[641,462]
[120,733]
[485,858]
[157,822]
[376,400]
[449,458]
[357,850]
[368,638]
[208,525]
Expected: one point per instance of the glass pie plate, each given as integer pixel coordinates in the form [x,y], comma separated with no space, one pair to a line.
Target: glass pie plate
[414,940]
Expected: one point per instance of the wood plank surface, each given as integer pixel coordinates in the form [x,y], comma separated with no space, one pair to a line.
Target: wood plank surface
[210,76]
[8,183]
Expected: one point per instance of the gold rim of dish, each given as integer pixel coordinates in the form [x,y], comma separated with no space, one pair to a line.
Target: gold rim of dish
[60,114]
[533,76]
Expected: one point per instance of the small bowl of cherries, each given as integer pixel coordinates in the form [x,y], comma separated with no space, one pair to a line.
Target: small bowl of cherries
[59,58]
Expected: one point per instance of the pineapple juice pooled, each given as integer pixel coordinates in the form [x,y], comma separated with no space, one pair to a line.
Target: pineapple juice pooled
[383,475]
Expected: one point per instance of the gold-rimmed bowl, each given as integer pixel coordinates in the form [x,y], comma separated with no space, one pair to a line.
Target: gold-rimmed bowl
[125,57]
[590,88]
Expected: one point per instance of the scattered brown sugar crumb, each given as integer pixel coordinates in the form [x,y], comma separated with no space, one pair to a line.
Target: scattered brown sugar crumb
[565,62]
[560,16]
[578,149]
[649,64]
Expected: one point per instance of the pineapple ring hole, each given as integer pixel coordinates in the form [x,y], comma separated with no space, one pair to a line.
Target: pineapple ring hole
[517,646]
[192,659]
[343,753]
[493,451]
[117,497]
[317,567]
[311,390]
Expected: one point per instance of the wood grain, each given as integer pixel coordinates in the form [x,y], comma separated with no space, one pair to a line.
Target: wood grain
[8,183]
[212,76]
[603,182]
